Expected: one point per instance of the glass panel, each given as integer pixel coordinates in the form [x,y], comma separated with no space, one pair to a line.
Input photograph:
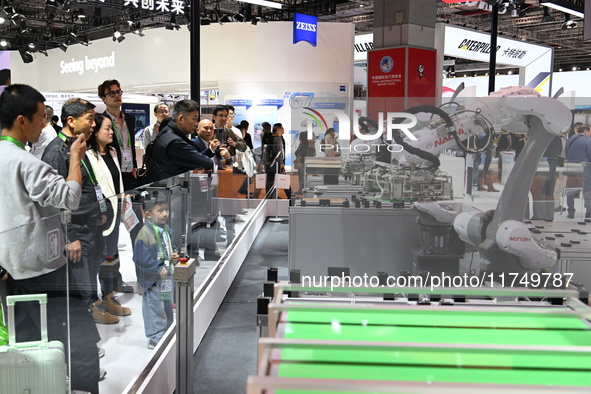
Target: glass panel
[33,254]
[129,253]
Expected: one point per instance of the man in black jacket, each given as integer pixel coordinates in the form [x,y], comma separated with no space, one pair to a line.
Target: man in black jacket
[173,153]
[78,118]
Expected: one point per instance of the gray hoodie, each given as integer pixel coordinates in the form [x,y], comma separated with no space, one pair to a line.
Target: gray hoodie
[32,240]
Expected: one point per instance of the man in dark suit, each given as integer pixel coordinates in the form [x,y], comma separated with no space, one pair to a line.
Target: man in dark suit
[210,147]
[124,143]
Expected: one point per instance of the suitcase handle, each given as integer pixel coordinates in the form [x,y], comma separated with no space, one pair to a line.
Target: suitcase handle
[10,302]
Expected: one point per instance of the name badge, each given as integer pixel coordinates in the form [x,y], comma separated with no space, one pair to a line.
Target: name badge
[166,289]
[100,198]
[126,160]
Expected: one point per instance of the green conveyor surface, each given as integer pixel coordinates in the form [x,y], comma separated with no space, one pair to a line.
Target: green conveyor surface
[438,365]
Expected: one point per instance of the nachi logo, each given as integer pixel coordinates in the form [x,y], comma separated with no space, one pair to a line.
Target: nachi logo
[305,26]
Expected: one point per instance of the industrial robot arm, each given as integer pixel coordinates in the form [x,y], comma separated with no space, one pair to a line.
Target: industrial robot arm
[502,238]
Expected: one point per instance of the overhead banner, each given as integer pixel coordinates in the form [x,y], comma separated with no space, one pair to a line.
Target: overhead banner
[305,28]
[534,61]
[473,45]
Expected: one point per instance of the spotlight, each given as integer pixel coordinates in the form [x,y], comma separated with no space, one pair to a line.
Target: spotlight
[79,16]
[118,36]
[137,29]
[547,16]
[4,43]
[569,23]
[48,32]
[72,37]
[172,25]
[575,68]
[26,55]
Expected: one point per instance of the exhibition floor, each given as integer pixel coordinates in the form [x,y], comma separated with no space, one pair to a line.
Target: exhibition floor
[227,354]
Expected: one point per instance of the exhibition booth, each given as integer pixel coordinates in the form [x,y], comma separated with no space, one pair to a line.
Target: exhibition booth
[380,201]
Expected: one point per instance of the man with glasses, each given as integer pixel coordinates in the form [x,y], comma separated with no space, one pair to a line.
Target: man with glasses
[160,112]
[124,143]
[123,128]
[227,137]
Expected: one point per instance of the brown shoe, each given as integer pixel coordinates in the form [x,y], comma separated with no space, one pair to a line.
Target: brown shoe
[101,316]
[114,307]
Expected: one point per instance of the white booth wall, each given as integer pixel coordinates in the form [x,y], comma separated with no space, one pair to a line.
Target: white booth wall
[243,60]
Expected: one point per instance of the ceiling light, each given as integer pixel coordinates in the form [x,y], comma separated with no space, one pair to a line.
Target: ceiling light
[547,16]
[2,20]
[4,43]
[560,69]
[510,72]
[118,36]
[264,3]
[569,23]
[26,56]
[172,25]
[575,68]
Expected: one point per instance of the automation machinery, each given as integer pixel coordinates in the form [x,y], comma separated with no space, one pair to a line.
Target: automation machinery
[503,240]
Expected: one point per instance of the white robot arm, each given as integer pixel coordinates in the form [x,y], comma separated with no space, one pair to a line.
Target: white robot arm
[500,235]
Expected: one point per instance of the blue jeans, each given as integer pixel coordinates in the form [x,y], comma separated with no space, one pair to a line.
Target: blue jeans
[157,313]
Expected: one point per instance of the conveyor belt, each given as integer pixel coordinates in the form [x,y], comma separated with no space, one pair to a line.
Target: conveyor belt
[438,365]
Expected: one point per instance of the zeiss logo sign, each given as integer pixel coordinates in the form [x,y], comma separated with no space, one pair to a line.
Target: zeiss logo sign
[305,28]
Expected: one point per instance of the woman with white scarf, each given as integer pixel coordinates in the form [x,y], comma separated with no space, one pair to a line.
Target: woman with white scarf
[103,159]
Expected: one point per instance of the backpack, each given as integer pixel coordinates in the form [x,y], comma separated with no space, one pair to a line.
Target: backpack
[143,171]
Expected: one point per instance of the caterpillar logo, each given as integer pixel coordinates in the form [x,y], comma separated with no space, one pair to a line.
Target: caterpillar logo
[476,46]
[305,26]
[520,239]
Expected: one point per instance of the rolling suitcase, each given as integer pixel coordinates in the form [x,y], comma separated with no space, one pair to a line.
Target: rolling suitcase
[37,367]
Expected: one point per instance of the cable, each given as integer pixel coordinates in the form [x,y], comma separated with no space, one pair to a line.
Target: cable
[486,126]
